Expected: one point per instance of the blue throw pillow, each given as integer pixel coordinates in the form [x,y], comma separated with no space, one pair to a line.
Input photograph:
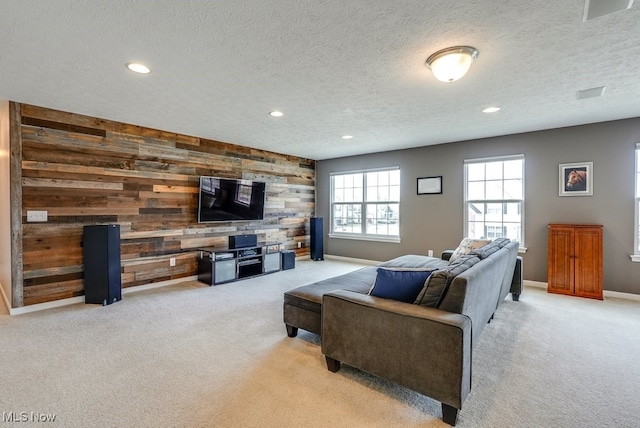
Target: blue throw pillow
[403,285]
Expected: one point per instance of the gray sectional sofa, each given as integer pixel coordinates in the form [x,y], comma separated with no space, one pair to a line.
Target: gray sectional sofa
[426,345]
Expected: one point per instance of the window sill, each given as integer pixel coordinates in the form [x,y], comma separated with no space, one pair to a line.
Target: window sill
[374,238]
[635,257]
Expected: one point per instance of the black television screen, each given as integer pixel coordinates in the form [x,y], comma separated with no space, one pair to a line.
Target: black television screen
[228,199]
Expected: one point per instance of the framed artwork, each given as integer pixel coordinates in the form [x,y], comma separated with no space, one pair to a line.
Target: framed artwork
[576,179]
[430,185]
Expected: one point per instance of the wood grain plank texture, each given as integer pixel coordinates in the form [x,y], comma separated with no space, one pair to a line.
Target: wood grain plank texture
[84,170]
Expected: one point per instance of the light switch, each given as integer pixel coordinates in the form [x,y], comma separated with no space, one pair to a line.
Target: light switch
[36,216]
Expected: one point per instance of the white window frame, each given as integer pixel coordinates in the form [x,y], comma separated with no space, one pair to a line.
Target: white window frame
[636,230]
[363,211]
[466,203]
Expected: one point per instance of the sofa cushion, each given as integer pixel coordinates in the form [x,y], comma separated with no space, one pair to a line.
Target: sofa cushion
[501,242]
[485,251]
[415,261]
[438,282]
[466,246]
[310,296]
[399,284]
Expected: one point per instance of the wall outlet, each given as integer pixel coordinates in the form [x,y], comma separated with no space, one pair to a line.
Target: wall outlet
[430,253]
[172,261]
[36,216]
[299,244]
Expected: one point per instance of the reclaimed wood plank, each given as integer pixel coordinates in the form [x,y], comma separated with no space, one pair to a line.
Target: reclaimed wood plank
[70,184]
[63,126]
[53,271]
[82,144]
[183,256]
[175,189]
[113,128]
[89,211]
[79,169]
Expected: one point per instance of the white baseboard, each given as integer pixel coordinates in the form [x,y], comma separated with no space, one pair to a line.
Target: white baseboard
[536,284]
[351,259]
[618,295]
[46,305]
[605,293]
[80,299]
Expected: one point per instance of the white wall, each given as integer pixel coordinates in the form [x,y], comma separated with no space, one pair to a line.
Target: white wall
[5,206]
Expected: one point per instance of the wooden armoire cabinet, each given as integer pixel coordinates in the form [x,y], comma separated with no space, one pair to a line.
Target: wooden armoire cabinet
[575,260]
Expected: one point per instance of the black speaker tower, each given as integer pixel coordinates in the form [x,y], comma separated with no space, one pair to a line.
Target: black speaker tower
[317,249]
[102,277]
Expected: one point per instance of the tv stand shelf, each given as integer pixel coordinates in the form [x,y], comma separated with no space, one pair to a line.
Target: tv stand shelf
[217,265]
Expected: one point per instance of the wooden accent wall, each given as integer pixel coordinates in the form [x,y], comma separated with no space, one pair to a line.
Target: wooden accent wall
[83,170]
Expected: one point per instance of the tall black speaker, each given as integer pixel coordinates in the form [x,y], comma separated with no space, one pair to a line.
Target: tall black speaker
[102,277]
[317,248]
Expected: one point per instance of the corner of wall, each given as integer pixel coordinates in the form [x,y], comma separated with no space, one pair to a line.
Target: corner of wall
[5,204]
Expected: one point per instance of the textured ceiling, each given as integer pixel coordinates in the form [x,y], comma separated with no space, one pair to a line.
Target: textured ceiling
[333,67]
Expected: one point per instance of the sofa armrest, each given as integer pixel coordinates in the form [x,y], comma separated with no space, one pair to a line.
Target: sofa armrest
[425,349]
[446,254]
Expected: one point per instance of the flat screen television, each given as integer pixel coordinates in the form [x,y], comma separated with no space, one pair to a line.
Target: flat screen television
[228,199]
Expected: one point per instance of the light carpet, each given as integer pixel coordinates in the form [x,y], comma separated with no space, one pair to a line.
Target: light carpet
[190,355]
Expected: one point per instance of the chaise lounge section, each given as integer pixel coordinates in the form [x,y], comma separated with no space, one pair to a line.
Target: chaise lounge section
[303,305]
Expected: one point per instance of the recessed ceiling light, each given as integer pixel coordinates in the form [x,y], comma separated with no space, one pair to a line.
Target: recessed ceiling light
[276,113]
[347,137]
[491,109]
[138,68]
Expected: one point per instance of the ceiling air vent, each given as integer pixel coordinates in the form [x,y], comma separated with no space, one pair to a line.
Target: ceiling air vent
[590,93]
[596,8]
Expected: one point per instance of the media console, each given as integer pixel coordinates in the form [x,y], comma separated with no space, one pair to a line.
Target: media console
[217,265]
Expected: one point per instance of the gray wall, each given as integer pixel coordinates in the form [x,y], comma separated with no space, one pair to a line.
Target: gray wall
[436,221]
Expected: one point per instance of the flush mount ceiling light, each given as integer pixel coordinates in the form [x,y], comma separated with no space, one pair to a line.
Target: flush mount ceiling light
[276,113]
[450,64]
[138,68]
[347,137]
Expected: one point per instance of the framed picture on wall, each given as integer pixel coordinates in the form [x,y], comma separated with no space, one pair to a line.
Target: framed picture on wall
[430,185]
[576,179]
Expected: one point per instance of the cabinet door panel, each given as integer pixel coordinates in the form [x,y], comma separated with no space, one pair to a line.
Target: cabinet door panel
[271,262]
[588,268]
[225,271]
[560,269]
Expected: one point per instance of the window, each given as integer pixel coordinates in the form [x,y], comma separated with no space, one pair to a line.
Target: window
[243,192]
[494,198]
[637,203]
[366,203]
